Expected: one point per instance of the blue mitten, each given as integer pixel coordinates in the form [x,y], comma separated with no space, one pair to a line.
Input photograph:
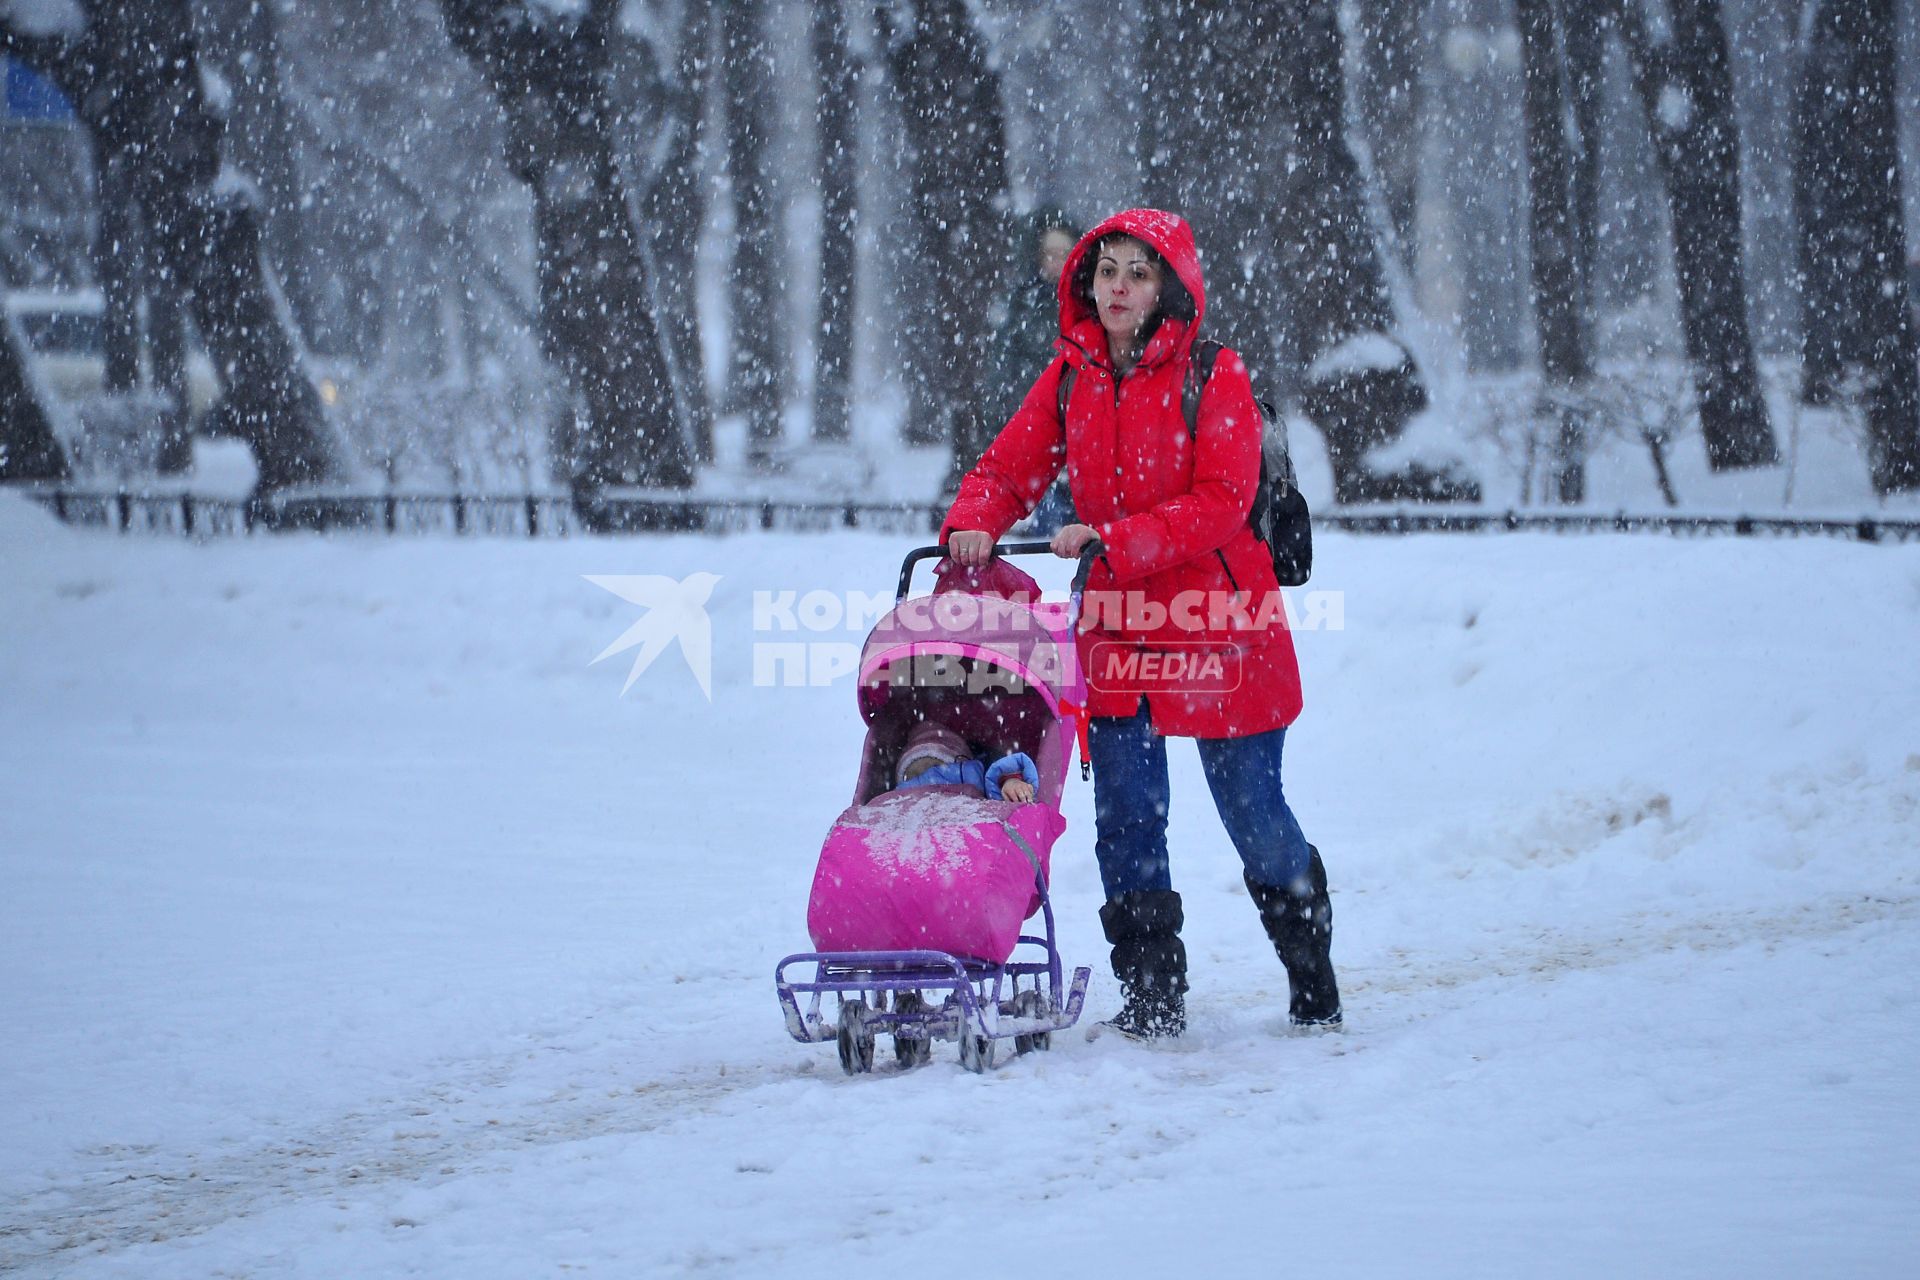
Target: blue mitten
[1018,762]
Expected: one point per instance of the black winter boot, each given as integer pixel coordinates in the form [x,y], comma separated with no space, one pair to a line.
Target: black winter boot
[1150,961]
[1299,921]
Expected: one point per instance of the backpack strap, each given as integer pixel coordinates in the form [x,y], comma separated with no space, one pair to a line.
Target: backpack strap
[1199,373]
[1199,370]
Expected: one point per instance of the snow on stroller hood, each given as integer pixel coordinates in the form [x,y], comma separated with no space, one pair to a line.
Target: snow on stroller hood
[931,869]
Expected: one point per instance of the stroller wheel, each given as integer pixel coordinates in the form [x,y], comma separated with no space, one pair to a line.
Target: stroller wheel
[977,1052]
[911,1051]
[1030,1004]
[854,1040]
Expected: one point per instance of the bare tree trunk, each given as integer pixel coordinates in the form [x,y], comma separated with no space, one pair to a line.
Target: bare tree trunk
[675,209]
[758,304]
[549,73]
[28,448]
[263,141]
[1389,93]
[1361,386]
[1852,160]
[837,93]
[1829,257]
[267,398]
[1686,90]
[119,247]
[1339,290]
[1559,304]
[166,330]
[126,264]
[1584,27]
[956,135]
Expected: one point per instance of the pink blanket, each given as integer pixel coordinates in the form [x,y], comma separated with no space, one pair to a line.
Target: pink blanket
[932,868]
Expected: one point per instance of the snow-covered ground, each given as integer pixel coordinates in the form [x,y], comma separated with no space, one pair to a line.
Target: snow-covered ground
[352,924]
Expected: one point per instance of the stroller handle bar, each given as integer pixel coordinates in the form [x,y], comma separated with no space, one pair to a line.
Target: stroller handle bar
[936,551]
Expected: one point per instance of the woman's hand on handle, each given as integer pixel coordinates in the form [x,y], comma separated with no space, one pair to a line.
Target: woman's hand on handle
[970,548]
[1072,540]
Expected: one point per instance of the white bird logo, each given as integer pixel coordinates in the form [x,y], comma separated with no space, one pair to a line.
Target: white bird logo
[675,610]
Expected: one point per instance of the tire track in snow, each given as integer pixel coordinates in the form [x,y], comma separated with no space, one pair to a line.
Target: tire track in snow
[1556,953]
[443,1133]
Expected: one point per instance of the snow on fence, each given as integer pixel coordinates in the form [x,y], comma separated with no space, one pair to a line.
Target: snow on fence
[556,516]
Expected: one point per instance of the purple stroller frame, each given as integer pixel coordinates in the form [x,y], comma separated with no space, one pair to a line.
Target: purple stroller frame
[883,991]
[984,1004]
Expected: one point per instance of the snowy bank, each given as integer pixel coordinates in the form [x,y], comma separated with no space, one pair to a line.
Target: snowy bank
[355,924]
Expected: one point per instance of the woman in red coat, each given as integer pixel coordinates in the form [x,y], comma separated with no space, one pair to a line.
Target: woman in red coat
[1183,633]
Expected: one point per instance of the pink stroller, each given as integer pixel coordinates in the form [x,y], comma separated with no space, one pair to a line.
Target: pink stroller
[920,895]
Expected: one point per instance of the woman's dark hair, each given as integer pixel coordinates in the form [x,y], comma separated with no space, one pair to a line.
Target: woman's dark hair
[1174,300]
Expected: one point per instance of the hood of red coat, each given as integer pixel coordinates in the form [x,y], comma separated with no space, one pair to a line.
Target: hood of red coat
[1172,238]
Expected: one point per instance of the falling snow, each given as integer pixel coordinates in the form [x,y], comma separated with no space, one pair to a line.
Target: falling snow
[355,923]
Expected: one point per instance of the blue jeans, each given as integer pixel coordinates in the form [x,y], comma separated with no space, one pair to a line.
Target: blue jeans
[1131,798]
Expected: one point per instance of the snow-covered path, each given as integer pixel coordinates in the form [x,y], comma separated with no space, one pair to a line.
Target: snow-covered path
[352,924]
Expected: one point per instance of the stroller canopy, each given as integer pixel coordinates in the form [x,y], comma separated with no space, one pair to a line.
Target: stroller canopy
[975,643]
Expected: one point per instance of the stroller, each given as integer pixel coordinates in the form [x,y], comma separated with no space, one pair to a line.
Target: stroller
[920,895]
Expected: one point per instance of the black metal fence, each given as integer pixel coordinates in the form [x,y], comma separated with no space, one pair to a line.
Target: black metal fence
[557,516]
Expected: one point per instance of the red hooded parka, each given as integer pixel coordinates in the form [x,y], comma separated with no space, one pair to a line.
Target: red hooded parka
[1170,506]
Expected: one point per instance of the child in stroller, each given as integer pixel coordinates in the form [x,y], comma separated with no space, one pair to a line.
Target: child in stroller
[937,756]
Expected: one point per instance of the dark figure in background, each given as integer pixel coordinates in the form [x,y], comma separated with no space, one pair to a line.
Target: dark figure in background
[1023,343]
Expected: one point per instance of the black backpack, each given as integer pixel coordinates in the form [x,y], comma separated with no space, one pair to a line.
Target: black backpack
[1279,515]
